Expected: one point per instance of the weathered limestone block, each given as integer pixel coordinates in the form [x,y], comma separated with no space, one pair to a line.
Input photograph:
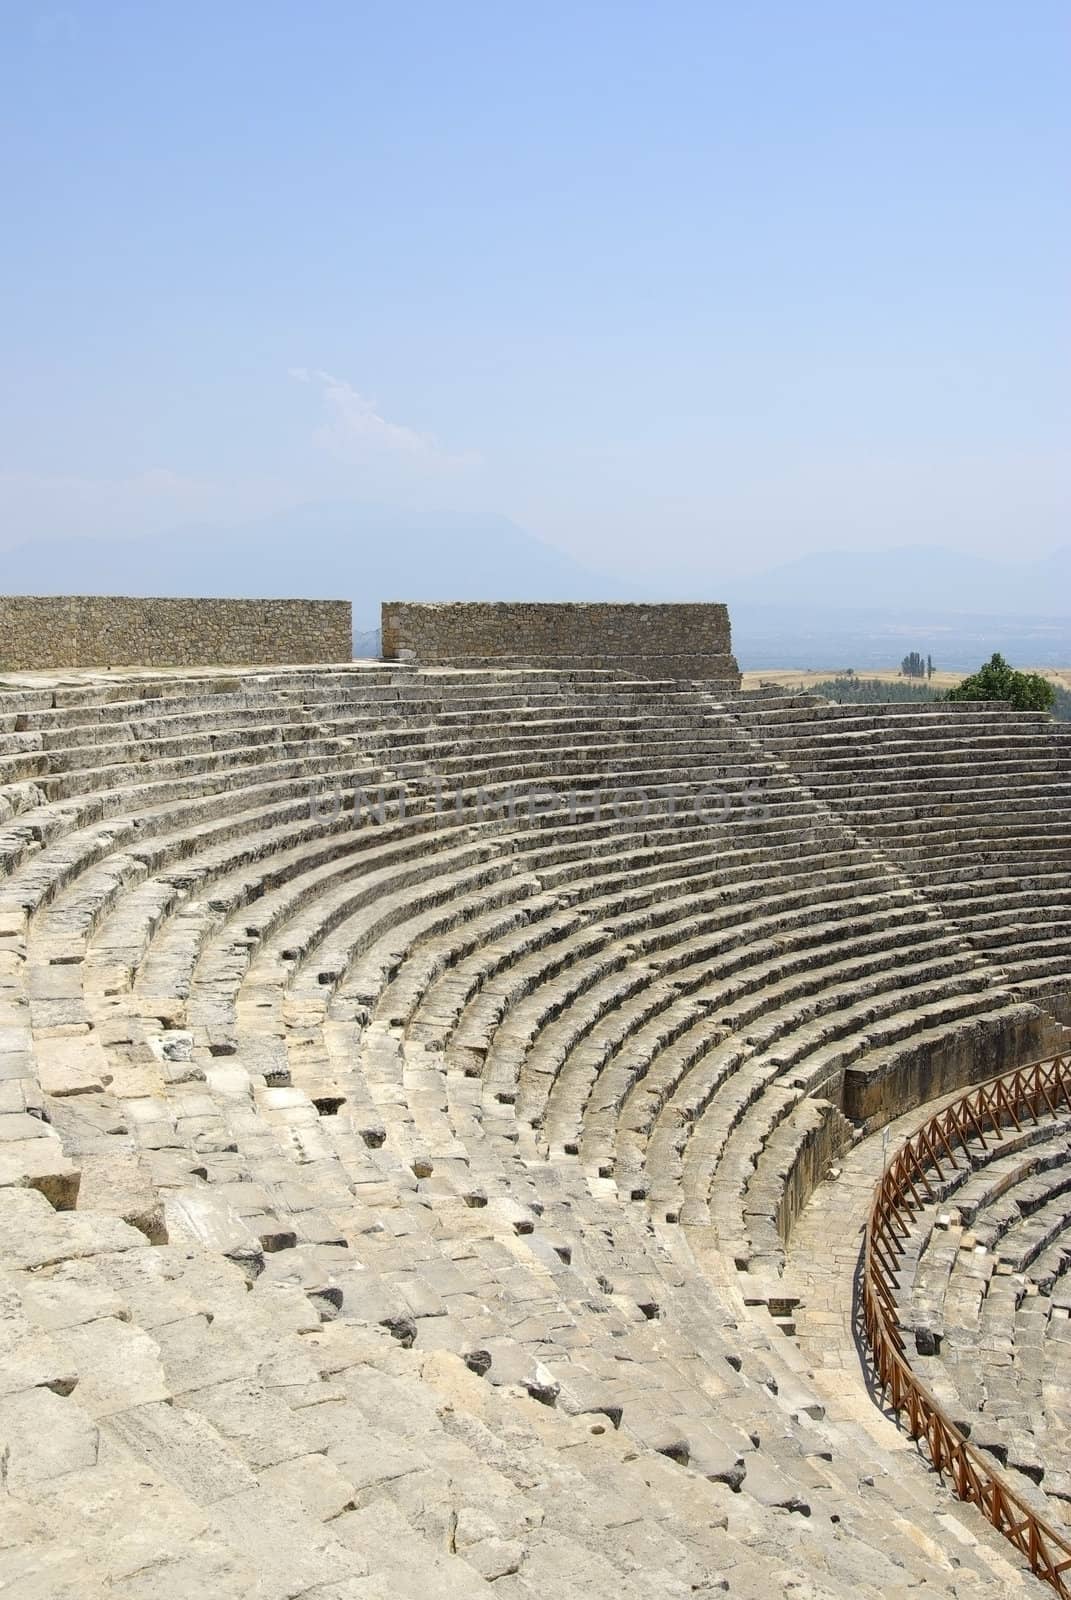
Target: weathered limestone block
[29,1359]
[33,1235]
[121,1185]
[312,1482]
[119,1366]
[75,1065]
[301,1554]
[12,925]
[409,1564]
[173,1280]
[199,1215]
[258,1422]
[67,1294]
[43,1437]
[40,1163]
[180,1444]
[118,1527]
[21,1126]
[21,1094]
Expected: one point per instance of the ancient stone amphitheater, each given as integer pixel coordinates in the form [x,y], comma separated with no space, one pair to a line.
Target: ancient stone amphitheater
[441,1109]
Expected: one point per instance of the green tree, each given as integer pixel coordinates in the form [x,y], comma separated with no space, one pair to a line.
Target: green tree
[1025,691]
[913,666]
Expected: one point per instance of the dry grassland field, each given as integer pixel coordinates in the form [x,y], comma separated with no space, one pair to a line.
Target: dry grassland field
[795,679]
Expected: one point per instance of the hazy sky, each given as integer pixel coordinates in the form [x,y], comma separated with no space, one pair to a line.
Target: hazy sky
[698,285]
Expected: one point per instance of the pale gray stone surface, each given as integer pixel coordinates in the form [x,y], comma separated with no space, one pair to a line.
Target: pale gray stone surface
[402,1206]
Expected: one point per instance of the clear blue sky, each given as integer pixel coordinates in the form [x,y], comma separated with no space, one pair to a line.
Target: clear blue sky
[697,284]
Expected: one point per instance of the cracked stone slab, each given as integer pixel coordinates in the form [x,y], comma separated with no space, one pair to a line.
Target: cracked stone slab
[33,1235]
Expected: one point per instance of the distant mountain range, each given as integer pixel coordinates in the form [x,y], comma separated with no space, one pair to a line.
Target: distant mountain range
[914,577]
[830,608]
[869,608]
[810,639]
[359,553]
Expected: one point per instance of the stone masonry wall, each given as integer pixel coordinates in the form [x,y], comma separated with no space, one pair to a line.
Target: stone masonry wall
[44,631]
[674,641]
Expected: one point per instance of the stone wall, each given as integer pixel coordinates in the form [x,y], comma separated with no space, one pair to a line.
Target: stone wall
[672,641]
[43,631]
[980,1048]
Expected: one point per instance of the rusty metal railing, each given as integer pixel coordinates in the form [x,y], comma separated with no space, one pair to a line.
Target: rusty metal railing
[982,1115]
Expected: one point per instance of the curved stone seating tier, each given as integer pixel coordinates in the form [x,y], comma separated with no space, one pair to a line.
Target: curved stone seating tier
[979,1297]
[973,802]
[372,1177]
[580,980]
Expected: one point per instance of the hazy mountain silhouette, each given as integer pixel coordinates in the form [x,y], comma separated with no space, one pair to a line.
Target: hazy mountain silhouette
[372,553]
[926,579]
[832,607]
[362,553]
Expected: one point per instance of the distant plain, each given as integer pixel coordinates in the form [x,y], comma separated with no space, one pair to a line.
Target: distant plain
[794,679]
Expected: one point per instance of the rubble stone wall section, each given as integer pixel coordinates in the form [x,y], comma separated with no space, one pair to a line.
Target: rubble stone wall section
[39,632]
[690,640]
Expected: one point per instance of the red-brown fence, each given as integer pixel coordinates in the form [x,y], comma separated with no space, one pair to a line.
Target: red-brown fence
[1025,1095]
